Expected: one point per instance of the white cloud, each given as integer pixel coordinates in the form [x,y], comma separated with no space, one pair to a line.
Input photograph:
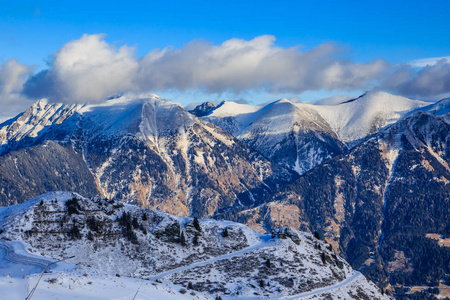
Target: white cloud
[238,65]
[87,69]
[90,69]
[12,75]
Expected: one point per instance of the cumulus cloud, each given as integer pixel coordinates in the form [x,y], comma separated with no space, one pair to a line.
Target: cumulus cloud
[90,69]
[12,76]
[83,70]
[431,81]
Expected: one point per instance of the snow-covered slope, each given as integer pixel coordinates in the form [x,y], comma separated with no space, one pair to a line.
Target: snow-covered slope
[379,203]
[355,119]
[440,108]
[109,240]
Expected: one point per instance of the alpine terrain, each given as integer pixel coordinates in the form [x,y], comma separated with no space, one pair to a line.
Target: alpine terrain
[369,176]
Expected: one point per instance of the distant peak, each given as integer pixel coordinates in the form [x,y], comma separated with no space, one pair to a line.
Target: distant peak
[204,109]
[371,95]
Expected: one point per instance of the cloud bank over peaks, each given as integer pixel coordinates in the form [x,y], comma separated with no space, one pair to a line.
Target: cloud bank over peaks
[89,69]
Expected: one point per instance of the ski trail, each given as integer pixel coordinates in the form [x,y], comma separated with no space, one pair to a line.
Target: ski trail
[319,291]
[257,246]
[13,256]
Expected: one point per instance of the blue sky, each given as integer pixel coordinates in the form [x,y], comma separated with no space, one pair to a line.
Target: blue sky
[394,31]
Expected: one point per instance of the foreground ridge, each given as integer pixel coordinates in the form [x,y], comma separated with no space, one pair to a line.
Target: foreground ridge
[205,257]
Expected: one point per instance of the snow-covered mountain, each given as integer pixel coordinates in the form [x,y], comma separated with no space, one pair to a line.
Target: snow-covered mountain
[132,148]
[300,136]
[294,137]
[105,240]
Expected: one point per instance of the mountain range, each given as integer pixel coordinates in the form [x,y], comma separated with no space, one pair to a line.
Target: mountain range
[369,175]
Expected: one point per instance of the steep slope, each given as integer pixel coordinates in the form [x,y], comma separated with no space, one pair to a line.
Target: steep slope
[293,136]
[216,258]
[142,149]
[40,168]
[384,204]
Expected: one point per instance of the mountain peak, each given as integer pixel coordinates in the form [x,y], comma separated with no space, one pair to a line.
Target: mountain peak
[282,100]
[203,109]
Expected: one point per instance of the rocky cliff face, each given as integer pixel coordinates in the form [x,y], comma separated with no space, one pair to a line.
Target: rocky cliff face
[144,150]
[378,203]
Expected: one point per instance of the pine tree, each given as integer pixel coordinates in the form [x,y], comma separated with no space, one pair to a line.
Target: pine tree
[197,224]
[316,235]
[190,286]
[135,223]
[74,233]
[323,257]
[225,232]
[195,242]
[182,239]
